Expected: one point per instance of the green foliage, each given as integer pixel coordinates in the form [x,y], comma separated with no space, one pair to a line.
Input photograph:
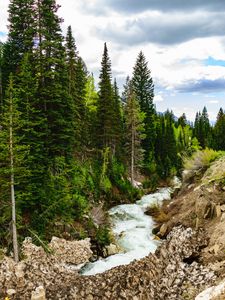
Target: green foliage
[38,241]
[199,162]
[201,159]
[103,236]
[143,88]
[218,131]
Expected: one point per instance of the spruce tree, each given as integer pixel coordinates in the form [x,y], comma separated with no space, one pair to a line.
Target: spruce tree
[118,126]
[12,166]
[143,88]
[105,109]
[77,90]
[55,102]
[134,134]
[20,37]
[202,128]
[219,131]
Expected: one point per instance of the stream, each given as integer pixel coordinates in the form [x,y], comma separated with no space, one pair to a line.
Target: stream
[132,230]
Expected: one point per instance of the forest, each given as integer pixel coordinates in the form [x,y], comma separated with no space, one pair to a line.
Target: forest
[68,143]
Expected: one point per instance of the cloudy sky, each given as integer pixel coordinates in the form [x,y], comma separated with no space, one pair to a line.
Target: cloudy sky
[183,41]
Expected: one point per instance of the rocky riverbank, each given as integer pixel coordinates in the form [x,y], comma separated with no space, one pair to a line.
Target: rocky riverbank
[170,273]
[189,264]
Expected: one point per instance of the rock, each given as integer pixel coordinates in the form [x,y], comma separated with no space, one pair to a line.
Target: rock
[71,252]
[163,230]
[222,207]
[166,274]
[217,211]
[38,294]
[213,293]
[30,250]
[222,217]
[11,292]
[214,249]
[202,208]
[156,229]
[112,249]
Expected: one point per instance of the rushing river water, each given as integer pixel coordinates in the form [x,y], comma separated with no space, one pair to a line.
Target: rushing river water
[132,230]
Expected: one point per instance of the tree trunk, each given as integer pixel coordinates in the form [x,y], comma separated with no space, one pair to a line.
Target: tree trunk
[14,231]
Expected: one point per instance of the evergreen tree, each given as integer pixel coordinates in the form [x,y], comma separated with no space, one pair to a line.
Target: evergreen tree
[105,109]
[134,134]
[143,88]
[12,170]
[55,102]
[219,131]
[202,128]
[182,120]
[91,101]
[71,59]
[118,126]
[126,88]
[79,103]
[165,146]
[77,89]
[20,37]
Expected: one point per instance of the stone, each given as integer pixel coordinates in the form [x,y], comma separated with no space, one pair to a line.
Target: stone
[71,252]
[217,211]
[222,207]
[11,292]
[38,294]
[222,217]
[112,249]
[202,207]
[160,275]
[214,249]
[163,230]
[213,293]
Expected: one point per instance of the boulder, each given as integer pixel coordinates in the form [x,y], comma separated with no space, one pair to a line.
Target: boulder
[71,252]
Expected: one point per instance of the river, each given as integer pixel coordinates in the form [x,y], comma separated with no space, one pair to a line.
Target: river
[132,229]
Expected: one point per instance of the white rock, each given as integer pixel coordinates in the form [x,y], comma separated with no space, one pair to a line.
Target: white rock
[212,292]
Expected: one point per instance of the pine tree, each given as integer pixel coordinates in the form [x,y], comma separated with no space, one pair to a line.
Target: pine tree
[134,134]
[55,102]
[126,88]
[20,37]
[118,126]
[143,88]
[91,101]
[79,103]
[105,109]
[219,131]
[71,59]
[202,128]
[77,90]
[12,156]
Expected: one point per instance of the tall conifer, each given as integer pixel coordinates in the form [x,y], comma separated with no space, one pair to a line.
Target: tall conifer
[105,107]
[143,88]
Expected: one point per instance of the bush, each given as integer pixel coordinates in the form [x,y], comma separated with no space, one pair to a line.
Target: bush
[198,163]
[103,236]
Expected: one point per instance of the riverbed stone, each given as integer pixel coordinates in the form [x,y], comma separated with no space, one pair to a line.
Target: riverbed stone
[165,274]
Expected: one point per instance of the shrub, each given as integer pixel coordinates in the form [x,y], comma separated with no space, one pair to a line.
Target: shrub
[198,163]
[103,236]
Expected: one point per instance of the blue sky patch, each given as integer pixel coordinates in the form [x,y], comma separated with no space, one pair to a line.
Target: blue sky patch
[210,61]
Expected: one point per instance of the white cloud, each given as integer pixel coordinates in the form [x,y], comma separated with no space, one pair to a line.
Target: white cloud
[158,98]
[213,101]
